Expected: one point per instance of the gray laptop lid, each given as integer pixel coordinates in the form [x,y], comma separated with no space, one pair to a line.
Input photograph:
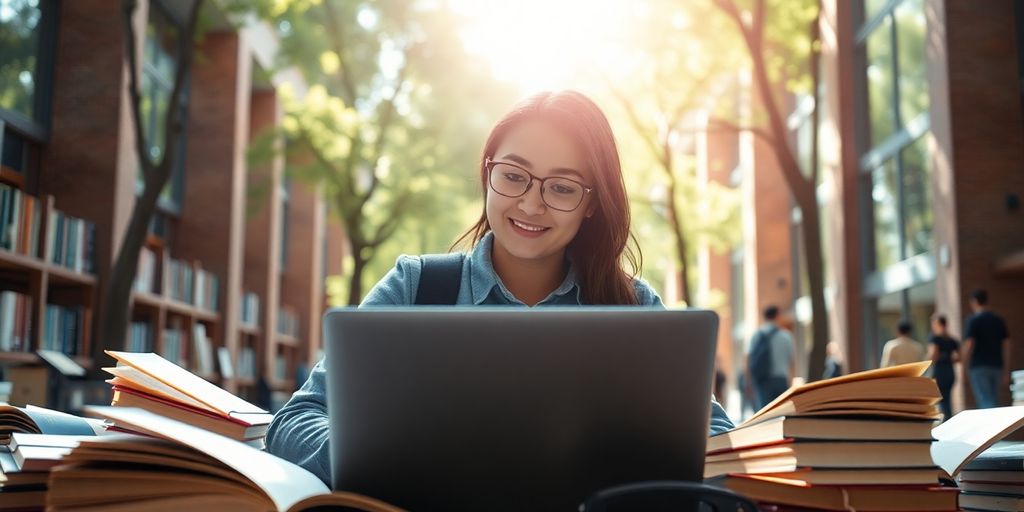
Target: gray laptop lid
[514,409]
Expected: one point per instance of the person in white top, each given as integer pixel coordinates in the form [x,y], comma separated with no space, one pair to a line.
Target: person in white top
[902,349]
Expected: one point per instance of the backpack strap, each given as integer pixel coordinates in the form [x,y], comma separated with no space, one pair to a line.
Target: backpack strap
[440,279]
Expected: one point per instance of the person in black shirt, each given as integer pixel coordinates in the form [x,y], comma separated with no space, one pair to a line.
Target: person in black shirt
[943,350]
[986,351]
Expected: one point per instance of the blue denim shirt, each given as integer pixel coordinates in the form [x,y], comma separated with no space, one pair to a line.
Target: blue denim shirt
[299,432]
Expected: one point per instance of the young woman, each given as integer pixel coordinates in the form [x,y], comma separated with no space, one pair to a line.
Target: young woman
[943,350]
[553,232]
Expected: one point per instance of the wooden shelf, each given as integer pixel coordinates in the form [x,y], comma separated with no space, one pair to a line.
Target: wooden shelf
[251,330]
[158,302]
[32,358]
[18,357]
[287,340]
[17,261]
[62,275]
[12,177]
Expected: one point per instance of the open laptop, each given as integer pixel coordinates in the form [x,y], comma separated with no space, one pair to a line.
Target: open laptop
[514,409]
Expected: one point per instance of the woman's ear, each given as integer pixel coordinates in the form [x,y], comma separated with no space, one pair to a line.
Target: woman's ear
[590,211]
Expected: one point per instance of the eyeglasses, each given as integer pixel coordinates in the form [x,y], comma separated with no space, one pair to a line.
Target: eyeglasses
[557,192]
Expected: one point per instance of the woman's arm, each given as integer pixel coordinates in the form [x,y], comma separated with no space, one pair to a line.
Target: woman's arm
[933,353]
[301,429]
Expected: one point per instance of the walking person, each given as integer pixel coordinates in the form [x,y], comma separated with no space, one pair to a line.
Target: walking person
[943,350]
[902,349]
[986,351]
[771,362]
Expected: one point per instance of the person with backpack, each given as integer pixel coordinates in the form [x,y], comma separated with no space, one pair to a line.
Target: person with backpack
[771,361]
[553,232]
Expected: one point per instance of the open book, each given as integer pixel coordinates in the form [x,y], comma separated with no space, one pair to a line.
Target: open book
[39,420]
[131,473]
[150,382]
[960,439]
[896,392]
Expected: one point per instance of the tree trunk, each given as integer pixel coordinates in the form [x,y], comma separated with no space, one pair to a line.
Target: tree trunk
[355,281]
[677,230]
[115,311]
[811,228]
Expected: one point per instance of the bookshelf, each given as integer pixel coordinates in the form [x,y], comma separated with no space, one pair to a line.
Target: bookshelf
[86,170]
[46,295]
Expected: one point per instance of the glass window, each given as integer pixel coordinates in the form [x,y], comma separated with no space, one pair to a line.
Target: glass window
[19,55]
[880,83]
[910,42]
[872,7]
[922,305]
[157,77]
[885,209]
[918,215]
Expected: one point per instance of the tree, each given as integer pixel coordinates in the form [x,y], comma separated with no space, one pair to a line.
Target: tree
[778,49]
[155,169]
[392,122]
[677,65]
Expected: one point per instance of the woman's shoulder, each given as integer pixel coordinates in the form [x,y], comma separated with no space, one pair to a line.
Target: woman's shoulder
[398,286]
[645,294]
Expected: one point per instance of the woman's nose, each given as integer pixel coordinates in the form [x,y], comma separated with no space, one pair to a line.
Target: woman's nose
[531,203]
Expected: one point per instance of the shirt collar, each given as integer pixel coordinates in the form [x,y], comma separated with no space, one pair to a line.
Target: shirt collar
[483,278]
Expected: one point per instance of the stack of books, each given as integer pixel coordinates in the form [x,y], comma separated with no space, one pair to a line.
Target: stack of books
[152,383]
[1017,387]
[994,480]
[861,441]
[32,441]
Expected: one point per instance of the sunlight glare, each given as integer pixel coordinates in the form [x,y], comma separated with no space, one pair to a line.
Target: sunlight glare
[543,44]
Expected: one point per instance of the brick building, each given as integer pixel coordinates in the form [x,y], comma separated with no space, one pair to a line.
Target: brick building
[921,140]
[68,138]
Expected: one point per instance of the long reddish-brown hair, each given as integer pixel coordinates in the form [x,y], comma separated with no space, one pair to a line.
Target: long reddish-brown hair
[601,244]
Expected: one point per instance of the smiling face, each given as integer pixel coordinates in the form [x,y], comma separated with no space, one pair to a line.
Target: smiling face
[525,228]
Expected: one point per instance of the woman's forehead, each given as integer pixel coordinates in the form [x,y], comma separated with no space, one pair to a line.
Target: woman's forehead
[544,146]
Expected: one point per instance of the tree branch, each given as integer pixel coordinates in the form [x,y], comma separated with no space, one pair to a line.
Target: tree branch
[384,123]
[141,146]
[337,36]
[638,125]
[388,227]
[174,123]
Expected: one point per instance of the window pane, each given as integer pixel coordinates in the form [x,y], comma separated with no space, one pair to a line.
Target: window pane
[913,75]
[880,83]
[917,194]
[19,47]
[871,8]
[885,203]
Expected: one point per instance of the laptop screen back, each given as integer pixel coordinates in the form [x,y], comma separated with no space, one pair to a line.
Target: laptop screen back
[515,409]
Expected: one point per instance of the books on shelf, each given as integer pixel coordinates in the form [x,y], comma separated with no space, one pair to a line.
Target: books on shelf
[15,322]
[287,322]
[70,241]
[140,337]
[174,343]
[190,284]
[219,473]
[150,382]
[20,217]
[145,274]
[247,363]
[64,328]
[250,309]
[202,349]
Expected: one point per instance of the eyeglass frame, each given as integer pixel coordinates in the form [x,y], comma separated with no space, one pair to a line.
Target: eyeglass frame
[489,166]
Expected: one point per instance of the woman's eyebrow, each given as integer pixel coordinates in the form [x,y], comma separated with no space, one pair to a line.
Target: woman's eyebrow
[526,163]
